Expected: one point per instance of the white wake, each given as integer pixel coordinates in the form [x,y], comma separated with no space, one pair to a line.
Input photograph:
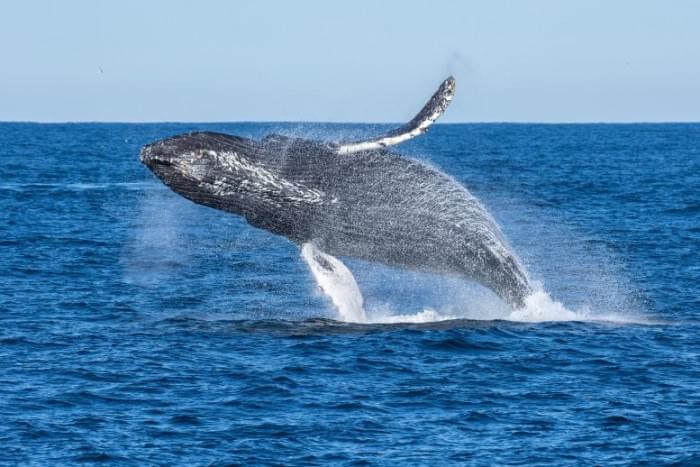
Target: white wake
[338,284]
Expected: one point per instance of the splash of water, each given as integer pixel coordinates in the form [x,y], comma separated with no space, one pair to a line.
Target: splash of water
[541,307]
[338,283]
[426,316]
[156,245]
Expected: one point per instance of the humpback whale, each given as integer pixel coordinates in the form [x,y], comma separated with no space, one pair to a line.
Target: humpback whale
[347,199]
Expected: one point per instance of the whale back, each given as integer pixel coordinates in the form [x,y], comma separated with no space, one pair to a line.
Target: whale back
[381,206]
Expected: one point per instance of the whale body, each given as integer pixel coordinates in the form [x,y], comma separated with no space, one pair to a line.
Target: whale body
[350,200]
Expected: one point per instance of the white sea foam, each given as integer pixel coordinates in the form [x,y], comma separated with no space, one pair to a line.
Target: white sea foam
[425,316]
[541,307]
[338,283]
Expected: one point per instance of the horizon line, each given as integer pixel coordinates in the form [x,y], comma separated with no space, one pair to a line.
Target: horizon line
[338,122]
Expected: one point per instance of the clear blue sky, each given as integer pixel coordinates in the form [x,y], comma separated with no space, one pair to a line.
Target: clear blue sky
[357,60]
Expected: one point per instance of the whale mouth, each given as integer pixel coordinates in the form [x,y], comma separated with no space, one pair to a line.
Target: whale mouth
[163,162]
[152,156]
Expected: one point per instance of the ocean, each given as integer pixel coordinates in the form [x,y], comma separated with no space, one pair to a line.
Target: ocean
[141,329]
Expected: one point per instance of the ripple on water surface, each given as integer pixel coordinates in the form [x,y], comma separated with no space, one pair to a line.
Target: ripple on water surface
[139,328]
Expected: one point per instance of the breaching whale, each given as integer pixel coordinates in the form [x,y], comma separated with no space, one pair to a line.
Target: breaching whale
[352,199]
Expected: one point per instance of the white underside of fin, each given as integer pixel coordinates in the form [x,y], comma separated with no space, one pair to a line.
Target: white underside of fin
[430,112]
[380,143]
[337,282]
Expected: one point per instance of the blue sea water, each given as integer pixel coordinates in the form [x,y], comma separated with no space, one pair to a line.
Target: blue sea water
[140,329]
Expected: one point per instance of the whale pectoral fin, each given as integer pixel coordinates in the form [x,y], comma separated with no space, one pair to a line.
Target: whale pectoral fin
[336,281]
[430,112]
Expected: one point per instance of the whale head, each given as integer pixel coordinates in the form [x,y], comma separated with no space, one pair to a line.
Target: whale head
[237,175]
[227,173]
